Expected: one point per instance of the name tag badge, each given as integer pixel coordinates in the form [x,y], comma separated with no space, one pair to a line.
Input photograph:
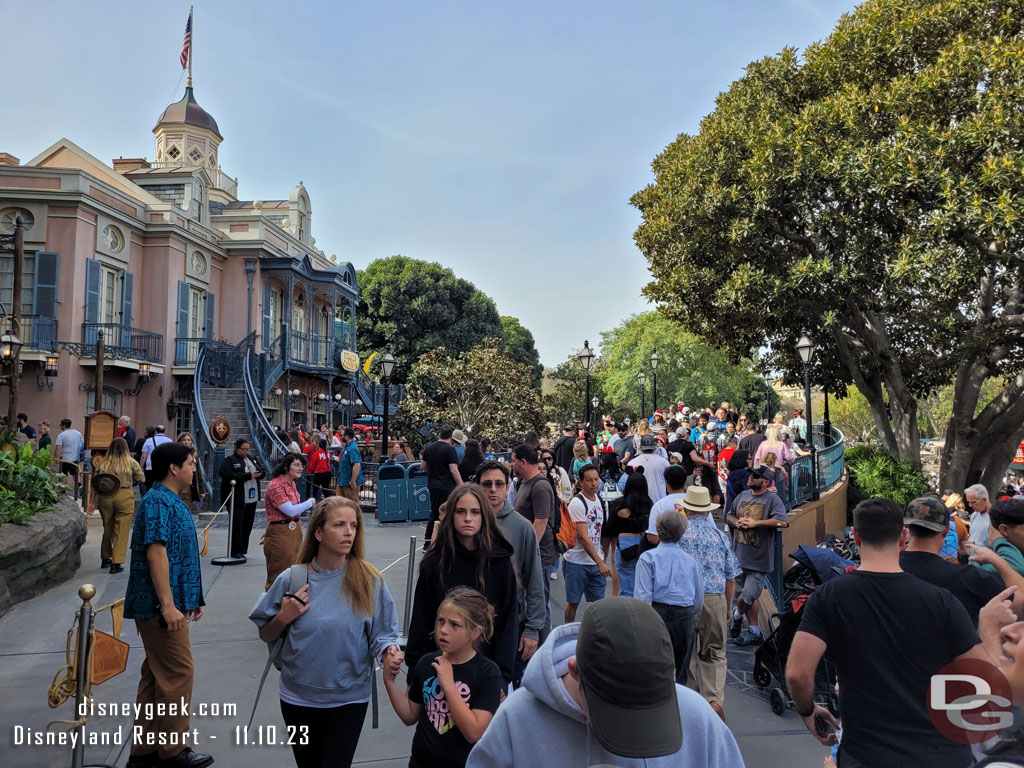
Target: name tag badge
[252,493]
[292,525]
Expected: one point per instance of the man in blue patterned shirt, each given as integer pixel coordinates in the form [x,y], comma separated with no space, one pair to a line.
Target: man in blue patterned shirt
[709,546]
[165,593]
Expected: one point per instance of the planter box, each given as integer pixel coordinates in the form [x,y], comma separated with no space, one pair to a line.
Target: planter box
[41,553]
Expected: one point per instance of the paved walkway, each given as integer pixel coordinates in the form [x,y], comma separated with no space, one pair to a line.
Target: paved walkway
[229,659]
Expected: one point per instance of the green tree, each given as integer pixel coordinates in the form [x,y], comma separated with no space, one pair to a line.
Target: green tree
[482,391]
[689,370]
[519,343]
[852,416]
[565,393]
[870,192]
[418,306]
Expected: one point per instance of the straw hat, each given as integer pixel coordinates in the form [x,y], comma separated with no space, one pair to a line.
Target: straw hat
[698,499]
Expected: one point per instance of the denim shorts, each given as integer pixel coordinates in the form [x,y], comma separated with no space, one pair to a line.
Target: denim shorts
[582,580]
[750,584]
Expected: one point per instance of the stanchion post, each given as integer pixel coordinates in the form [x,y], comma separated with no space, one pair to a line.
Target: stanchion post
[229,558]
[86,592]
[408,586]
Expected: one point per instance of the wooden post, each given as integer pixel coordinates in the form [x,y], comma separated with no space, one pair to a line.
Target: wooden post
[99,372]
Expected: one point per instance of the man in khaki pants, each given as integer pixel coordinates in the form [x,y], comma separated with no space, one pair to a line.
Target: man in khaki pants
[710,548]
[165,593]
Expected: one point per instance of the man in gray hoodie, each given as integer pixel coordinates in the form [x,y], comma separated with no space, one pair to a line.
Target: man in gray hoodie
[493,478]
[603,692]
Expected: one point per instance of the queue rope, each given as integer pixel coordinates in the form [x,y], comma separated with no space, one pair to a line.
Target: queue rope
[222,511]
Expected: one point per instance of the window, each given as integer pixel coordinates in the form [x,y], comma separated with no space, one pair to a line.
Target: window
[196,313]
[28,274]
[174,153]
[197,200]
[113,238]
[111,400]
[302,227]
[110,295]
[195,156]
[299,314]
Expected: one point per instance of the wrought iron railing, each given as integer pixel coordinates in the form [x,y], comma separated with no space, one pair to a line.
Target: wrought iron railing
[186,350]
[123,342]
[38,332]
[372,394]
[224,362]
[269,447]
[272,364]
[205,449]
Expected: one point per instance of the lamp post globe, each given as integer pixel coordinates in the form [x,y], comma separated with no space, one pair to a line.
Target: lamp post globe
[805,348]
[586,358]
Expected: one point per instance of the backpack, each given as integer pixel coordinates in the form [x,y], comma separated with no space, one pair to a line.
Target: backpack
[565,533]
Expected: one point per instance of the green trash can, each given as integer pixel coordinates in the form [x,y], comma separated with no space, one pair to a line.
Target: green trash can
[392,492]
[419,495]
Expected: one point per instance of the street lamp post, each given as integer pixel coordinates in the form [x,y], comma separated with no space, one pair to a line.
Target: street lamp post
[594,401]
[387,367]
[586,358]
[769,380]
[805,348]
[826,423]
[641,379]
[654,379]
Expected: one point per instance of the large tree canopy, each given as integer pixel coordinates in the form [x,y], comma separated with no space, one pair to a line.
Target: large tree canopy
[689,370]
[417,306]
[519,343]
[482,391]
[871,193]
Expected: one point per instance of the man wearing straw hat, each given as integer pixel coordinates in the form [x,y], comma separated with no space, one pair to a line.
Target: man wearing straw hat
[710,548]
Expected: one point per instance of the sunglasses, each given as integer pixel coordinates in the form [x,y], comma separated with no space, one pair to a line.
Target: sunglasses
[493,484]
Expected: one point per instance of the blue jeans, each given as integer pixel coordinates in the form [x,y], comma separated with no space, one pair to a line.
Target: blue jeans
[582,580]
[626,571]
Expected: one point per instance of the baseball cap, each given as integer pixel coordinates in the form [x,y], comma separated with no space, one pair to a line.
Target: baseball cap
[647,444]
[762,473]
[627,673]
[712,425]
[686,409]
[927,512]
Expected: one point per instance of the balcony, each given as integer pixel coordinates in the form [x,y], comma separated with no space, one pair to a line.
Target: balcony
[122,342]
[38,332]
[310,351]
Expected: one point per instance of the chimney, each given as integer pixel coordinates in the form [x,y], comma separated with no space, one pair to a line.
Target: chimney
[7,159]
[122,164]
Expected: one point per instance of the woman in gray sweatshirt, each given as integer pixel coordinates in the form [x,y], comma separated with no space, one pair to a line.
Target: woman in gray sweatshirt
[336,625]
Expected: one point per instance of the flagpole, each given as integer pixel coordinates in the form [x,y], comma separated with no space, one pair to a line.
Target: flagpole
[192,37]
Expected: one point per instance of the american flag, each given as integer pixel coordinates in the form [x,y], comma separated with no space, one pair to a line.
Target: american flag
[186,46]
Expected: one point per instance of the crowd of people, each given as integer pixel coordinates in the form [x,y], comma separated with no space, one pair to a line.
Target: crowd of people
[664,528]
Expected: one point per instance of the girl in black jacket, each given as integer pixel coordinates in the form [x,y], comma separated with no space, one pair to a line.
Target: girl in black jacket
[468,550]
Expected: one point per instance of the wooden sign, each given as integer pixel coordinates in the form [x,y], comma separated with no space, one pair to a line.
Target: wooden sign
[220,430]
[349,360]
[100,430]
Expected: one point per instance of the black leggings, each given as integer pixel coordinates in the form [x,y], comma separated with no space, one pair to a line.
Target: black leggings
[333,734]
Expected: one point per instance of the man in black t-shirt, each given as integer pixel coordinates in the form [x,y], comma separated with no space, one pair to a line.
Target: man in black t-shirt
[535,500]
[927,522]
[441,464]
[887,632]
[562,449]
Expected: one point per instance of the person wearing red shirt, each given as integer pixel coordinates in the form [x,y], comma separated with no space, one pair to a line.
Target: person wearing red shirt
[318,468]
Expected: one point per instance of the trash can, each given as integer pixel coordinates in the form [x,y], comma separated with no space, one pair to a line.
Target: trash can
[419,496]
[392,503]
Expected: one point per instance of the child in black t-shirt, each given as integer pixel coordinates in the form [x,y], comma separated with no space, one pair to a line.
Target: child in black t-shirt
[454,692]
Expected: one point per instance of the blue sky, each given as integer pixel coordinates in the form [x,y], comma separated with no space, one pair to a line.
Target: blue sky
[502,140]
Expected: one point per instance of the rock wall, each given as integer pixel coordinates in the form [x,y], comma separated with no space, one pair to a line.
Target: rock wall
[41,553]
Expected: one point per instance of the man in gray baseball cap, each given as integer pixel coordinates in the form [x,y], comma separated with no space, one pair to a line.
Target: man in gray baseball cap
[603,692]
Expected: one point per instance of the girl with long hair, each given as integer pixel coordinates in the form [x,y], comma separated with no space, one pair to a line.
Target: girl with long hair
[471,459]
[328,657]
[117,510]
[581,457]
[196,492]
[469,550]
[453,692]
[319,465]
[736,482]
[772,443]
[283,537]
[627,522]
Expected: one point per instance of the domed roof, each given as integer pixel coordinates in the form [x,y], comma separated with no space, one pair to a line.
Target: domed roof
[189,112]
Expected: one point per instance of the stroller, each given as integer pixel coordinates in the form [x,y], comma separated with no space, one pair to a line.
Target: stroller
[814,566]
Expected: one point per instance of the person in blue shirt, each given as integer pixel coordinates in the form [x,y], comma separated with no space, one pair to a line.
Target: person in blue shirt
[670,581]
[350,470]
[165,593]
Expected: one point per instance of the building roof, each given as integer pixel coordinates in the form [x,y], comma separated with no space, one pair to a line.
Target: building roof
[165,170]
[267,205]
[188,112]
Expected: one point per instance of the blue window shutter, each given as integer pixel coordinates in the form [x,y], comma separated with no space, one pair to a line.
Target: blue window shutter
[92,290]
[44,298]
[267,335]
[183,297]
[209,316]
[126,308]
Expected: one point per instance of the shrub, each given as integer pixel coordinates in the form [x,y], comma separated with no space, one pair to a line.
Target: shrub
[27,485]
[876,473]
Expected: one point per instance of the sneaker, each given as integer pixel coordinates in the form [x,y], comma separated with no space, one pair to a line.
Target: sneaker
[106,562]
[554,575]
[749,638]
[735,627]
[117,568]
